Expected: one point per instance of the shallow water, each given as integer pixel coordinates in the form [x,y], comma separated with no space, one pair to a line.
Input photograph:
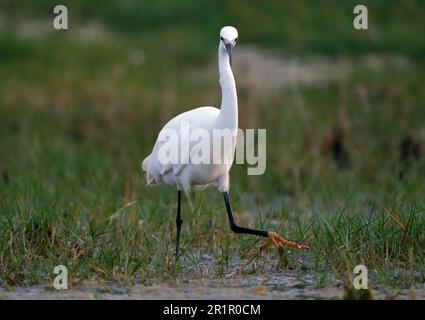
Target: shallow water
[194,290]
[274,285]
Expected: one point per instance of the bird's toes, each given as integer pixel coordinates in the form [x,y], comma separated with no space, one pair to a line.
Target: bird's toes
[276,242]
[265,246]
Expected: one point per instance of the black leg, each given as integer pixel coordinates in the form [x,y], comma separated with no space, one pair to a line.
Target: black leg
[235,227]
[179,222]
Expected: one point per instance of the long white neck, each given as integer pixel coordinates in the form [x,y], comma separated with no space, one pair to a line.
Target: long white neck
[229,99]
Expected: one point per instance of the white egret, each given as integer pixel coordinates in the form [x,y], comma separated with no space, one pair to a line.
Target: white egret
[186,174]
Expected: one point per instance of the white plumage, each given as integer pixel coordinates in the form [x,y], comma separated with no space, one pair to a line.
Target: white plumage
[186,175]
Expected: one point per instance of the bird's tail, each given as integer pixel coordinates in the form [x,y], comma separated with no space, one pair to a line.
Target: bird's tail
[145,166]
[145,163]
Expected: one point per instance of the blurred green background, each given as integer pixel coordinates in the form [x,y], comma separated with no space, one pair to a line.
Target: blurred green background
[79,109]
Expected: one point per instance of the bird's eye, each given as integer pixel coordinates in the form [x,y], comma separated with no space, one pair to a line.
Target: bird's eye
[236,40]
[221,38]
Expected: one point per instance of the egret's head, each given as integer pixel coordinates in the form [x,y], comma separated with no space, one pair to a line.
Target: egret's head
[228,38]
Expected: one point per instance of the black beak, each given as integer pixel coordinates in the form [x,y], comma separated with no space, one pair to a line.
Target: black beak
[229,48]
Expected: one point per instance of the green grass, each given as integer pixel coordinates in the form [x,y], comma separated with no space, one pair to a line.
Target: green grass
[77,117]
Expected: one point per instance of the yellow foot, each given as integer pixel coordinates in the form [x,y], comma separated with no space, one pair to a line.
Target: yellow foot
[278,241]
